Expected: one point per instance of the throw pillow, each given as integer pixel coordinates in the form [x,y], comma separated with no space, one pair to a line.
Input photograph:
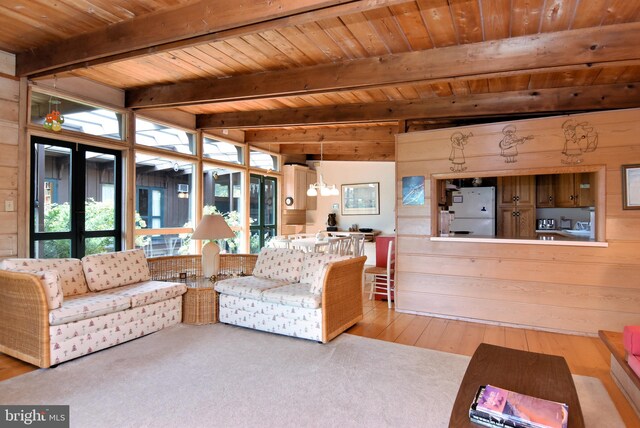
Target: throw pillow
[631,339]
[70,271]
[279,263]
[111,270]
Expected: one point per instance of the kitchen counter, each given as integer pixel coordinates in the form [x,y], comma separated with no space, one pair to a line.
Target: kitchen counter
[570,234]
[548,237]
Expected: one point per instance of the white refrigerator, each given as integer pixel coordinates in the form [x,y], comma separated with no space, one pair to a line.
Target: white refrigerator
[475,211]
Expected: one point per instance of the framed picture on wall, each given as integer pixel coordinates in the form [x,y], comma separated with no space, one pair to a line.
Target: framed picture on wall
[413,190]
[361,199]
[631,187]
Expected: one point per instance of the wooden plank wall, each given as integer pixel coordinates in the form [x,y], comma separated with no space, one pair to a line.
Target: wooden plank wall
[575,289]
[9,99]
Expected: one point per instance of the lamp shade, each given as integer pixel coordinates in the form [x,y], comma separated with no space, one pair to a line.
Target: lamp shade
[212,226]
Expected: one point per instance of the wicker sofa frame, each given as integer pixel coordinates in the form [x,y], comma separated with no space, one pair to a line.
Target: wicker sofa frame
[24,313]
[341,295]
[24,320]
[169,268]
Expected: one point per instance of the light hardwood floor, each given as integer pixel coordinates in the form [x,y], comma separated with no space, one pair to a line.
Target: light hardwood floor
[586,356]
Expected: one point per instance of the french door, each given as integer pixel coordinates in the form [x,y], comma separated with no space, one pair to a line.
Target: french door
[76,194]
[262,208]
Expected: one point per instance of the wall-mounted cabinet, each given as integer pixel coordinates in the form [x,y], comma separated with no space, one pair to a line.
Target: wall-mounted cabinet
[295,187]
[574,190]
[545,193]
[517,189]
[312,201]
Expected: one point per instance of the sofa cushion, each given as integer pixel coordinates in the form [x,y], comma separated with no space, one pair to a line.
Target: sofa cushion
[148,292]
[313,269]
[279,263]
[111,270]
[272,317]
[293,295]
[247,286]
[50,280]
[70,271]
[631,339]
[86,306]
[83,337]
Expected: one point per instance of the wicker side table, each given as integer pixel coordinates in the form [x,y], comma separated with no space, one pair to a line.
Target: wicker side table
[200,302]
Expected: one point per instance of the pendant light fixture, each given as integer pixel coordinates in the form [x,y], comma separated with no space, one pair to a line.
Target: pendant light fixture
[321,187]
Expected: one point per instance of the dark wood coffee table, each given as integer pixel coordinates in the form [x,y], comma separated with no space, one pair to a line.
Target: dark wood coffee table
[538,375]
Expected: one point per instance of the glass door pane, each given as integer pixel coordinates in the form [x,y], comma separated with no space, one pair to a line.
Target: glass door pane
[254,201]
[51,188]
[269,207]
[262,208]
[100,197]
[52,249]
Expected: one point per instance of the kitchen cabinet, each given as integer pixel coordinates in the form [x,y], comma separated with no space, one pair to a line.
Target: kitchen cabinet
[545,194]
[517,189]
[516,221]
[295,186]
[574,190]
[312,201]
[516,209]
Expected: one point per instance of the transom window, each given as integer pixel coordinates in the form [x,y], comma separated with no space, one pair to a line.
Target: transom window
[163,137]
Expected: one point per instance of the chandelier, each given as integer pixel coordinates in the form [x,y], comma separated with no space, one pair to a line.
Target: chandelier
[321,187]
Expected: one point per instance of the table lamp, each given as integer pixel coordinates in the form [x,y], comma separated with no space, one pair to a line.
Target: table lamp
[212,226]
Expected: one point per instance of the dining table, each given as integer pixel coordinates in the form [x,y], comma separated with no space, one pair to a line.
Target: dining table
[309,245]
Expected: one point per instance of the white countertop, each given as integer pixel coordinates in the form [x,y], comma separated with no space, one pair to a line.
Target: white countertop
[566,240]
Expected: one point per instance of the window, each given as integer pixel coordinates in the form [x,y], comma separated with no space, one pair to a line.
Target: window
[70,213]
[263,160]
[223,151]
[150,203]
[77,116]
[223,194]
[164,200]
[163,137]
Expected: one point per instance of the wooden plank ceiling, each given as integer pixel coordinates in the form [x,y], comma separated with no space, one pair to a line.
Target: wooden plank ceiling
[346,73]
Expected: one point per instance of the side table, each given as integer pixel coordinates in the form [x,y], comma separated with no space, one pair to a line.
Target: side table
[200,302]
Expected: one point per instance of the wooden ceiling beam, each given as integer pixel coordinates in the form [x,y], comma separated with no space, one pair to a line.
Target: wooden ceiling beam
[389,157]
[373,134]
[582,98]
[185,26]
[355,147]
[542,52]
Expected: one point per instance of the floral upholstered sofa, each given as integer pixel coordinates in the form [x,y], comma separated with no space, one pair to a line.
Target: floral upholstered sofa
[54,310]
[308,295]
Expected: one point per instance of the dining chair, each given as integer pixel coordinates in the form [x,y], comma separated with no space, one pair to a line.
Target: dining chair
[302,235]
[357,244]
[279,241]
[381,279]
[339,245]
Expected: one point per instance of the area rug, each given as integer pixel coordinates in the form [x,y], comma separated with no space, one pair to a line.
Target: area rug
[219,375]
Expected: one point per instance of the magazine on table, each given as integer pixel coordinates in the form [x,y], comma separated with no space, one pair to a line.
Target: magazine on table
[499,407]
